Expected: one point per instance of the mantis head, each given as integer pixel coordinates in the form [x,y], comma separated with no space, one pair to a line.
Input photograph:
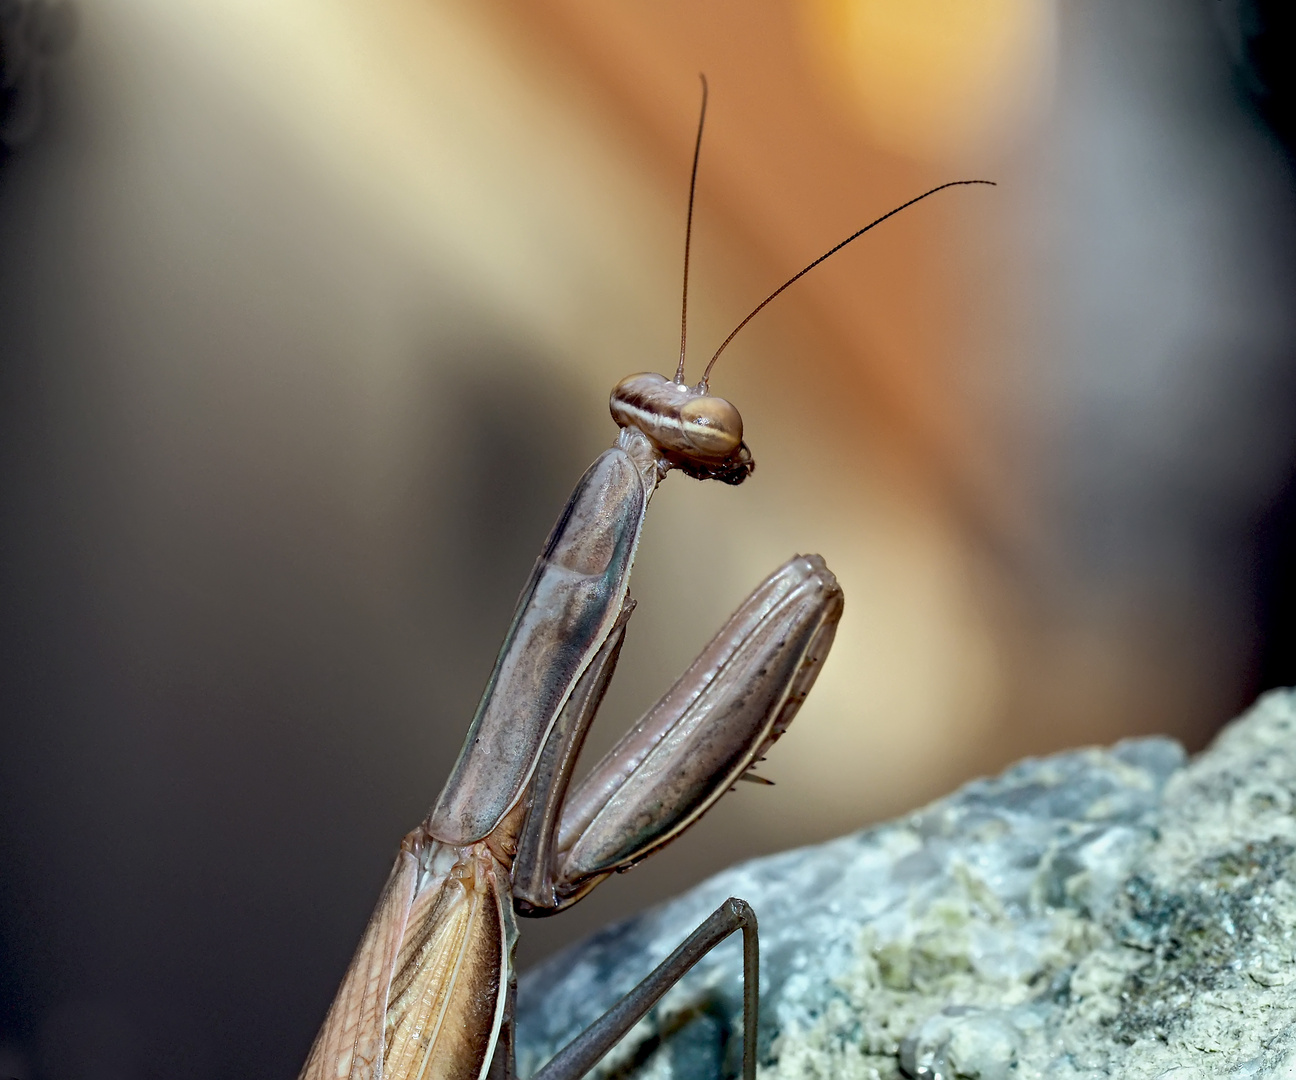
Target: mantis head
[694,431]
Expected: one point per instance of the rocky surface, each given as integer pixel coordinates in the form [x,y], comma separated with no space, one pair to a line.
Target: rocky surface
[1099,913]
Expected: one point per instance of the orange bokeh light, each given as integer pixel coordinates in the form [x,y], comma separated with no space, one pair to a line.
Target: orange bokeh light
[937,79]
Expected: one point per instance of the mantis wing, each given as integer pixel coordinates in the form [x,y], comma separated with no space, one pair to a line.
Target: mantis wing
[349,1045]
[424,996]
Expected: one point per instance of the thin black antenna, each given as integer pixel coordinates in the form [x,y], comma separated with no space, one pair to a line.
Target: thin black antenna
[706,375]
[688,232]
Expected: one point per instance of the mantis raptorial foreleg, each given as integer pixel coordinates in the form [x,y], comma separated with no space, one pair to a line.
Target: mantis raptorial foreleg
[437,953]
[429,993]
[722,714]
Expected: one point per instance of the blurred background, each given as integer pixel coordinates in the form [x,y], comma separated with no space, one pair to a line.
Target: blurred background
[308,316]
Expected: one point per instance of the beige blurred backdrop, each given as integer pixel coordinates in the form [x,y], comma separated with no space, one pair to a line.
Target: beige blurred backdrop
[310,315]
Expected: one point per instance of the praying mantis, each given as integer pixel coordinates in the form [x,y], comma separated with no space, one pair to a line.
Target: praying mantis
[429,993]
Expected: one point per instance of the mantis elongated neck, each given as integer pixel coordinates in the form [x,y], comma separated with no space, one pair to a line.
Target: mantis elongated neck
[647,458]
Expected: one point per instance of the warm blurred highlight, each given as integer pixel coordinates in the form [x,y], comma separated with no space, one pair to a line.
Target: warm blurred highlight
[939,80]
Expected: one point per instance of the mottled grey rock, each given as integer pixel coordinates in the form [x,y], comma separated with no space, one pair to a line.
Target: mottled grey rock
[1098,913]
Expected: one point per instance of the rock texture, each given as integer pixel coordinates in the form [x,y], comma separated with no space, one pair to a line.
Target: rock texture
[1099,913]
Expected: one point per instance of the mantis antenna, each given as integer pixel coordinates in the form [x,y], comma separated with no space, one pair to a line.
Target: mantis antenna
[706,375]
[688,232]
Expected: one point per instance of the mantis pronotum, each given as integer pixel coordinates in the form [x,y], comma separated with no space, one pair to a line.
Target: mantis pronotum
[429,993]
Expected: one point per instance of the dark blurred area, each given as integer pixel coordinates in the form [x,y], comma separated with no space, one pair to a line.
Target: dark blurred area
[32,34]
[1262,39]
[1261,35]
[308,317]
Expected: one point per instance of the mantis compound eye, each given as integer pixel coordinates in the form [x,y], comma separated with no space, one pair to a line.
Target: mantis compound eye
[694,431]
[712,426]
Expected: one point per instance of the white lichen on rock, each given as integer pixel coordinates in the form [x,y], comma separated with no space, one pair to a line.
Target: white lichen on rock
[1100,913]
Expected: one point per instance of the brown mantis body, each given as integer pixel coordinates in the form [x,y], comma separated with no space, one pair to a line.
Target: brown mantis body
[428,995]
